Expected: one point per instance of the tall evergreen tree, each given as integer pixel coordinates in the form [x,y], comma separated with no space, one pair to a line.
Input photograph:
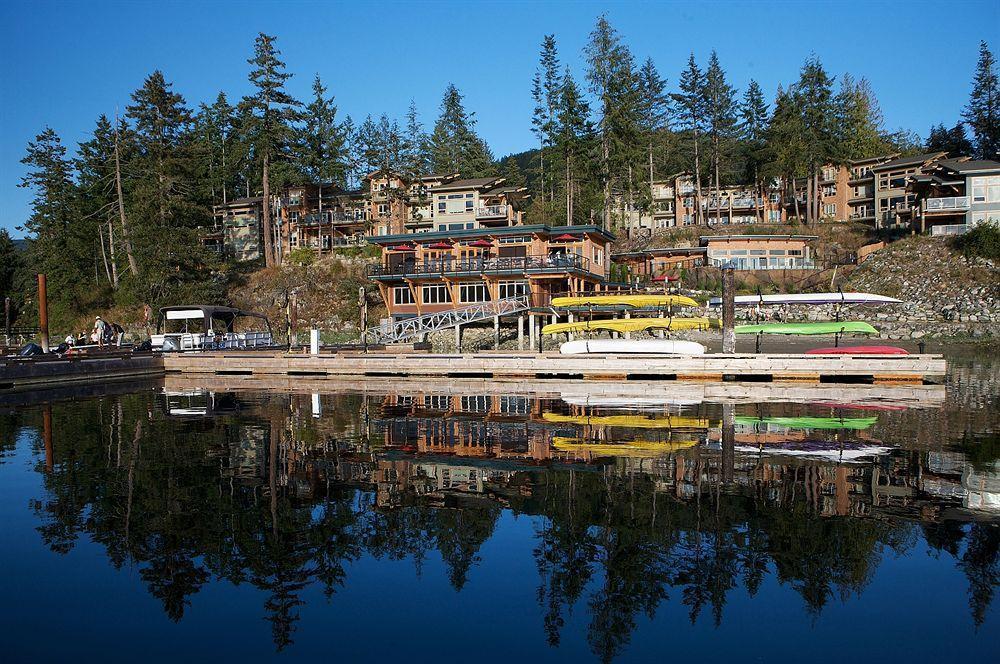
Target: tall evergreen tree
[655,110]
[982,113]
[753,119]
[691,116]
[271,113]
[815,98]
[545,93]
[418,157]
[858,130]
[96,194]
[572,135]
[321,145]
[58,246]
[614,83]
[720,113]
[455,147]
[953,141]
[215,126]
[785,144]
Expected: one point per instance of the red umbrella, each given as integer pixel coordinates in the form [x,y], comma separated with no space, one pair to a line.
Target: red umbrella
[439,245]
[402,247]
[480,243]
[565,237]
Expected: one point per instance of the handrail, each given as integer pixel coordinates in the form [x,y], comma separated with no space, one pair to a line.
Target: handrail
[480,264]
[410,328]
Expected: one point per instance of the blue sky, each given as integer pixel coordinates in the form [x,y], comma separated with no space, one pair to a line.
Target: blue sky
[64,63]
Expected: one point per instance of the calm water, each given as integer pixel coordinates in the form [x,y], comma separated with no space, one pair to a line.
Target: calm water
[440,522]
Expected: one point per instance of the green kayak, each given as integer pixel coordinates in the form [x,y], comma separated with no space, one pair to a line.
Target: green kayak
[808,328]
[855,423]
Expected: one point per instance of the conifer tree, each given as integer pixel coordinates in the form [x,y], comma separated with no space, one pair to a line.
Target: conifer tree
[953,141]
[753,118]
[545,93]
[418,158]
[321,145]
[858,121]
[271,112]
[691,114]
[215,126]
[96,193]
[785,144]
[455,147]
[572,134]
[720,115]
[982,113]
[815,98]
[655,110]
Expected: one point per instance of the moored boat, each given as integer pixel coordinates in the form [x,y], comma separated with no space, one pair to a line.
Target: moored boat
[859,350]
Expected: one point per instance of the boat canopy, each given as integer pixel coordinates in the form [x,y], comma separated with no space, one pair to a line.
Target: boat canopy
[633,325]
[837,327]
[209,317]
[624,300]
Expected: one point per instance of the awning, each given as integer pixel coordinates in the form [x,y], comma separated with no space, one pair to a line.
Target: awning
[402,247]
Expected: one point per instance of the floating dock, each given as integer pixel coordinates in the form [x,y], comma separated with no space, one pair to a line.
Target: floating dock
[39,371]
[876,369]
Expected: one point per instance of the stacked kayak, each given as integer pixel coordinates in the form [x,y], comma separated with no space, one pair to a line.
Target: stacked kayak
[637,301]
[633,325]
[859,350]
[629,347]
[836,327]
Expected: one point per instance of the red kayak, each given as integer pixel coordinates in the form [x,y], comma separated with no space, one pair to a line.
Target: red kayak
[859,350]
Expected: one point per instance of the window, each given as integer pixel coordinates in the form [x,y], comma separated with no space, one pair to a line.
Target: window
[468,205]
[598,256]
[777,252]
[830,209]
[402,295]
[473,292]
[514,239]
[514,405]
[513,288]
[442,207]
[794,252]
[476,404]
[758,252]
[986,190]
[436,294]
[437,402]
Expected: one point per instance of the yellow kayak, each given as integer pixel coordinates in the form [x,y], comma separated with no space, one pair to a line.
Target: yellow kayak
[633,421]
[633,325]
[624,300]
[638,448]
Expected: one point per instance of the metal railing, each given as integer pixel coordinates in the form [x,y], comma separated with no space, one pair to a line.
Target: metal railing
[948,203]
[413,328]
[319,218]
[555,262]
[949,229]
[491,212]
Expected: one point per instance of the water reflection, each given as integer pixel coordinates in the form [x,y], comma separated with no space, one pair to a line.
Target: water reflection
[634,504]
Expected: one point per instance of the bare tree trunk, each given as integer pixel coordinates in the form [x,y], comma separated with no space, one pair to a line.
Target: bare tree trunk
[111,248]
[320,225]
[809,205]
[104,254]
[699,216]
[266,203]
[224,172]
[132,266]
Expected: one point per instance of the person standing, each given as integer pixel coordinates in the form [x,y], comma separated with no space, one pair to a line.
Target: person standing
[99,330]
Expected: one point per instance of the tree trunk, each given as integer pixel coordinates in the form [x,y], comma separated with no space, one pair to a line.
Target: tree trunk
[795,200]
[569,191]
[266,204]
[809,206]
[104,254]
[699,217]
[111,248]
[319,248]
[132,266]
[606,157]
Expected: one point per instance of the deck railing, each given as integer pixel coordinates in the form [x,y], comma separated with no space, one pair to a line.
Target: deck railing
[949,229]
[947,203]
[555,262]
[492,212]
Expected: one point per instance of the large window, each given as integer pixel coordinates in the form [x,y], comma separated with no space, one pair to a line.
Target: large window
[473,292]
[513,288]
[986,190]
[436,294]
[402,295]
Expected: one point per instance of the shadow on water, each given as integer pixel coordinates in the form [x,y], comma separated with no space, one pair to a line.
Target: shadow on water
[679,503]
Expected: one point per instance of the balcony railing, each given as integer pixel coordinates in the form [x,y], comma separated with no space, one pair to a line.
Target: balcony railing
[554,263]
[949,229]
[950,203]
[492,212]
[322,218]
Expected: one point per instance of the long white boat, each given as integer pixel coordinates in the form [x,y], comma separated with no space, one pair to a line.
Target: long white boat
[632,347]
[807,298]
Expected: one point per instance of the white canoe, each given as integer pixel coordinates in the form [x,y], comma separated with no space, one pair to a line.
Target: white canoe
[807,298]
[629,346]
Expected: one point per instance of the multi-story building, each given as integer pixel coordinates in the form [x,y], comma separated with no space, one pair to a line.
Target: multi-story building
[892,201]
[441,270]
[321,217]
[237,229]
[953,195]
[861,188]
[420,215]
[476,203]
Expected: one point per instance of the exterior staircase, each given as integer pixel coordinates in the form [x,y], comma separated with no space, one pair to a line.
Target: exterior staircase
[409,329]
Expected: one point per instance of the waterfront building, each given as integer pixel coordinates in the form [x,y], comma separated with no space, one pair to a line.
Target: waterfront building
[237,229]
[954,195]
[442,270]
[648,264]
[892,201]
[320,217]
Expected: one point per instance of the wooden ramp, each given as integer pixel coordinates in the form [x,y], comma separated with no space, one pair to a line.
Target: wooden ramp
[878,369]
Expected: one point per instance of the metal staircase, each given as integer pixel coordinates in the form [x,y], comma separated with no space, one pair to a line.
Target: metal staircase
[409,329]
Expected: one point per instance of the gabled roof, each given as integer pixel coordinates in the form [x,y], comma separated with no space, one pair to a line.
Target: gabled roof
[505,190]
[444,177]
[967,165]
[884,157]
[910,161]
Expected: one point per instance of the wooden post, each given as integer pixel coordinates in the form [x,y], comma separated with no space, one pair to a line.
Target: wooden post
[458,338]
[6,319]
[520,332]
[47,437]
[43,313]
[531,331]
[570,319]
[496,333]
[363,317]
[728,309]
[628,315]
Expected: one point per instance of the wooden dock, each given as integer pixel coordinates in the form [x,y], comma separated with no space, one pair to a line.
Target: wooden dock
[783,368]
[39,371]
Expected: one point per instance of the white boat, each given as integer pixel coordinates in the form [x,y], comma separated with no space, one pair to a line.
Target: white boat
[807,298]
[632,347]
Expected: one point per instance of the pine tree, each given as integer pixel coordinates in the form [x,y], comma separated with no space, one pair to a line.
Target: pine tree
[815,98]
[511,173]
[785,144]
[858,131]
[572,134]
[96,193]
[321,145]
[655,110]
[215,127]
[418,158]
[9,265]
[271,112]
[545,93]
[691,116]
[614,84]
[753,119]
[953,141]
[720,112]
[982,113]
[455,147]
[58,247]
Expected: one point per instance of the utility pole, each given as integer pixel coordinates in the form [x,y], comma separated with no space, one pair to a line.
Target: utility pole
[43,313]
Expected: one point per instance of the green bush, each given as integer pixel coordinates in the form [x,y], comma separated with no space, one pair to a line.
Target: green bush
[302,256]
[983,241]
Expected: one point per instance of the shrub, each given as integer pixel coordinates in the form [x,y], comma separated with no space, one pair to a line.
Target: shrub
[983,241]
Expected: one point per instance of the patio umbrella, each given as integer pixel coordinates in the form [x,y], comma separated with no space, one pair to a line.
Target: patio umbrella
[439,245]
[565,237]
[402,247]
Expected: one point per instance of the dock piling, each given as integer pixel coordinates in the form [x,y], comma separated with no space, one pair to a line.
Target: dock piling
[43,313]
[728,309]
